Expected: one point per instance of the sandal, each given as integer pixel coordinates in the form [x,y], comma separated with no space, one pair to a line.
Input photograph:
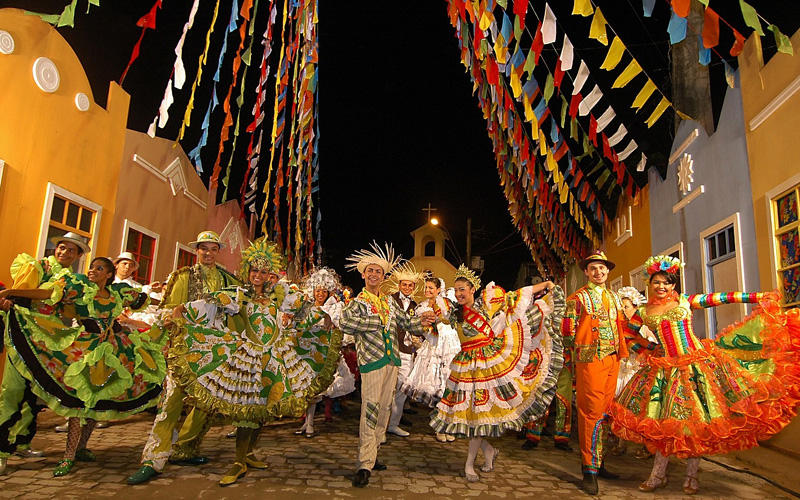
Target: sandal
[63,467]
[691,486]
[643,453]
[651,485]
[472,478]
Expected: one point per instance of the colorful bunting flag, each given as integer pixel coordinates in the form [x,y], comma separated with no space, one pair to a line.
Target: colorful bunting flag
[627,74]
[548,25]
[614,55]
[597,31]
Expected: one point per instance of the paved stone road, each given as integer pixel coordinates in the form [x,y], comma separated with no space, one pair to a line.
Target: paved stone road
[419,466]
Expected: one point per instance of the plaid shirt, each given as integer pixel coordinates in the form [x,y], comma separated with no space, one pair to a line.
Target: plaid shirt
[373,321]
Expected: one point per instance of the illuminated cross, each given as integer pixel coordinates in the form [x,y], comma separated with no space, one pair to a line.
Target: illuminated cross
[429,210]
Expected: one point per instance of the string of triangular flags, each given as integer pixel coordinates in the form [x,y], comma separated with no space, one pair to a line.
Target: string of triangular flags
[67,16]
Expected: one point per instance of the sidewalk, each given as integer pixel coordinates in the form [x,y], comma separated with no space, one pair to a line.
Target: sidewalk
[419,467]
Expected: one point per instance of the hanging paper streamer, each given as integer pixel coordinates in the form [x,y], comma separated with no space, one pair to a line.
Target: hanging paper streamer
[148,21]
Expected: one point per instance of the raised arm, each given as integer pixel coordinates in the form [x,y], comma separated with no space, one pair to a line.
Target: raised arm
[702,300]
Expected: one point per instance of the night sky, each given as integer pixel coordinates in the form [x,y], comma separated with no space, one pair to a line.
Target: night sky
[399,126]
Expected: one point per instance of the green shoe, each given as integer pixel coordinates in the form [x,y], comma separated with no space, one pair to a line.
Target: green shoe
[144,474]
[85,455]
[63,468]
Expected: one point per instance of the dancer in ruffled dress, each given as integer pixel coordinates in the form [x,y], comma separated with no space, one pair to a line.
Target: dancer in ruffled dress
[506,372]
[427,379]
[696,397]
[92,371]
[321,285]
[236,360]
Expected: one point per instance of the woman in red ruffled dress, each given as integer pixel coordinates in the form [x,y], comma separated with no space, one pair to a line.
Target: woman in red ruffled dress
[696,397]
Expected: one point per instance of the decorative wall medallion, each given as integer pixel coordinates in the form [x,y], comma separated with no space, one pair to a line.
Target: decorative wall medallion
[6,43]
[81,101]
[685,173]
[45,74]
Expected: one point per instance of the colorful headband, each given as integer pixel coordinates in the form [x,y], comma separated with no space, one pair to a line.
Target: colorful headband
[468,275]
[661,263]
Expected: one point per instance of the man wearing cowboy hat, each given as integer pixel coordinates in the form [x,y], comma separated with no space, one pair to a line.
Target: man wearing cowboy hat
[184,285]
[17,401]
[593,329]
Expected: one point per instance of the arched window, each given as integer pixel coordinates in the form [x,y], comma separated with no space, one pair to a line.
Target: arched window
[430,249]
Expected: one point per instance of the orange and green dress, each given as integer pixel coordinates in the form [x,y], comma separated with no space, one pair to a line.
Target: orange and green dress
[94,369]
[506,372]
[695,397]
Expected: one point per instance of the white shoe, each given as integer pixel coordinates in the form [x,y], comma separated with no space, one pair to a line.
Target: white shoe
[450,438]
[62,428]
[397,431]
[3,464]
[101,425]
[442,438]
[29,453]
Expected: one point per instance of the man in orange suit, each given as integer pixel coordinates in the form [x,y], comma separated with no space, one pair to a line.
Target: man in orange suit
[595,325]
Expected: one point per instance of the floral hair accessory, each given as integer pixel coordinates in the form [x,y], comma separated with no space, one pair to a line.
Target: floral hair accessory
[661,263]
[632,294]
[262,254]
[323,277]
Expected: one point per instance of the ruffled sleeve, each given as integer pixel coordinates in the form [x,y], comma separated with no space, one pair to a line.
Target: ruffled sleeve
[333,308]
[210,311]
[68,288]
[26,272]
[132,297]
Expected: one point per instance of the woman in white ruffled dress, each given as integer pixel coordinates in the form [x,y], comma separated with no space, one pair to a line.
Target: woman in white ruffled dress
[427,379]
[322,284]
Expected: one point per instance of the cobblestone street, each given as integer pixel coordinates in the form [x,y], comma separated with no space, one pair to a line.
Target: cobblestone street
[419,466]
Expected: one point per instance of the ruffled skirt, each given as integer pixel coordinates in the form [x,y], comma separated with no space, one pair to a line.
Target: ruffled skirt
[735,392]
[503,384]
[84,371]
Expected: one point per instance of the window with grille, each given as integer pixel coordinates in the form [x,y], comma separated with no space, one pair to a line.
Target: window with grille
[185,258]
[143,248]
[785,230]
[68,216]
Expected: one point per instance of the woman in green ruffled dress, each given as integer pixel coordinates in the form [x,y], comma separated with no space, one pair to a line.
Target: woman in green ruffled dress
[234,358]
[94,370]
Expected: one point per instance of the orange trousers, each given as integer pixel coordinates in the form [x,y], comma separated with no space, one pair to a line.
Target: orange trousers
[595,384]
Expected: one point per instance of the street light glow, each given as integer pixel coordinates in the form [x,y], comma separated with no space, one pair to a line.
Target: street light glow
[434,221]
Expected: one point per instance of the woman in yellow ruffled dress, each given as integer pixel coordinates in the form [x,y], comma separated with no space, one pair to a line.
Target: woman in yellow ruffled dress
[93,371]
[506,372]
[234,358]
[696,397]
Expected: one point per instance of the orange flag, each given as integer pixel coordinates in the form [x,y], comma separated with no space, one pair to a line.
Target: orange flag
[738,45]
[710,28]
[681,7]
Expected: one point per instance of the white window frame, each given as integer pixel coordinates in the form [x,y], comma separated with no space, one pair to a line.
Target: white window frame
[679,248]
[769,198]
[616,284]
[624,229]
[2,169]
[734,221]
[136,227]
[180,246]
[635,276]
[53,190]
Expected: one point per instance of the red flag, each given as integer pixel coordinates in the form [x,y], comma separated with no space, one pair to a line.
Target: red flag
[573,106]
[592,129]
[476,40]
[710,28]
[681,7]
[558,76]
[147,21]
[520,9]
[538,44]
[738,45]
[491,71]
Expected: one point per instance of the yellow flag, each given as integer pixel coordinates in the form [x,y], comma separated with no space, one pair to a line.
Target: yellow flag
[501,49]
[543,147]
[582,7]
[486,20]
[683,115]
[598,28]
[626,76]
[516,85]
[534,126]
[644,95]
[614,55]
[662,106]
[529,116]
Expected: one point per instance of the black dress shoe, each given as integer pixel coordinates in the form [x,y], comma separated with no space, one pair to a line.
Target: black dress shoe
[410,411]
[606,474]
[563,447]
[590,483]
[378,466]
[406,422]
[361,478]
[530,445]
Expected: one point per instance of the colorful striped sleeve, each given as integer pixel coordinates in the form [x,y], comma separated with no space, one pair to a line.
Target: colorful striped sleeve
[700,300]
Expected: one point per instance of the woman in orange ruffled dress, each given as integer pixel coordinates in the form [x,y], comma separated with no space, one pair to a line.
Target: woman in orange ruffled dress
[696,397]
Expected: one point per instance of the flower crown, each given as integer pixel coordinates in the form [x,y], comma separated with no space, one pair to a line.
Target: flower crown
[323,277]
[262,254]
[468,275]
[661,263]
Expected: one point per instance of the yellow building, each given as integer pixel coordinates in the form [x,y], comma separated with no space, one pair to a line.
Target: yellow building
[627,242]
[429,252]
[771,97]
[59,150]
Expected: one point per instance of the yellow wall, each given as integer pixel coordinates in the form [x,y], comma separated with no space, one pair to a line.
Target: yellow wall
[45,138]
[633,252]
[772,153]
[772,146]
